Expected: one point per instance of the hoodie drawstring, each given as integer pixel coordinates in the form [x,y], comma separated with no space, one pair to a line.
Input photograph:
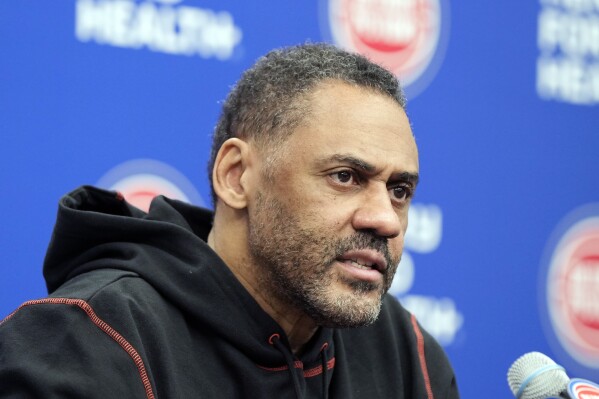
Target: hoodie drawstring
[275,340]
[325,368]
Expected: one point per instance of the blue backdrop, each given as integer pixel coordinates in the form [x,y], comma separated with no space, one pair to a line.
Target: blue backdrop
[503,99]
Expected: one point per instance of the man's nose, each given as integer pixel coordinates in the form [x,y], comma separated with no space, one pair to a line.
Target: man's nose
[376,213]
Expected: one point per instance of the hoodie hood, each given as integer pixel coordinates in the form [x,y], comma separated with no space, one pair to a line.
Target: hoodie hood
[98,229]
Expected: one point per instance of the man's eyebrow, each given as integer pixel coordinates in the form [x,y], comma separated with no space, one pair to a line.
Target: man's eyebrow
[351,160]
[369,168]
[412,178]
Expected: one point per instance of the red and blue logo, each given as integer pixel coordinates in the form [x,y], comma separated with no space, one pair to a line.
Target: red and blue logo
[583,389]
[408,37]
[570,291]
[140,180]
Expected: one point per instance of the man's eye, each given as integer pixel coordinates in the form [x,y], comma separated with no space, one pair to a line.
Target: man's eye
[343,176]
[401,192]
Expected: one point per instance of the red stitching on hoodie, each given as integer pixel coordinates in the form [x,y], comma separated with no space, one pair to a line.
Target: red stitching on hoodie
[102,325]
[297,364]
[420,342]
[313,372]
[318,370]
[272,337]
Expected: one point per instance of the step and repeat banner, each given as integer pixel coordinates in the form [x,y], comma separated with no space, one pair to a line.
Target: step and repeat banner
[502,253]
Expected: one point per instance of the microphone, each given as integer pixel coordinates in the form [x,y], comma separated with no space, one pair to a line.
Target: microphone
[535,376]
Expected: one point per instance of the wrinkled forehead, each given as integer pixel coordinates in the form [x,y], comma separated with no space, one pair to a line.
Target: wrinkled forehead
[333,88]
[344,119]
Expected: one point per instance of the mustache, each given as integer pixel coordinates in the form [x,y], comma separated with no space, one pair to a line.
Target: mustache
[364,240]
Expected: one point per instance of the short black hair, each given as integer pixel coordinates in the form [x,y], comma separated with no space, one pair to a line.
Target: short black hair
[265,103]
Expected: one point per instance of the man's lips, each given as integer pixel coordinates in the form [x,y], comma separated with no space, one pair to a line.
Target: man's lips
[365,259]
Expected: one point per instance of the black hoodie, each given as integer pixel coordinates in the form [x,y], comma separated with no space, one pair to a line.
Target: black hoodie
[141,307]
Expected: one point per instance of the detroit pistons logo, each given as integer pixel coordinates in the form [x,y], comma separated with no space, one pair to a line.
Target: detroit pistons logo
[405,36]
[583,389]
[140,180]
[572,289]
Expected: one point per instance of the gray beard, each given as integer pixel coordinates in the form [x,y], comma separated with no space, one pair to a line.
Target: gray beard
[295,264]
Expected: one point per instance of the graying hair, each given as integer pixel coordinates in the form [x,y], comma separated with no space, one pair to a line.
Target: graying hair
[266,103]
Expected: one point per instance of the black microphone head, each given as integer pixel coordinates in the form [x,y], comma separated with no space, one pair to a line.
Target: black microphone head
[535,376]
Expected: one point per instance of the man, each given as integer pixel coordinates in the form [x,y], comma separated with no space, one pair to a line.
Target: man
[280,293]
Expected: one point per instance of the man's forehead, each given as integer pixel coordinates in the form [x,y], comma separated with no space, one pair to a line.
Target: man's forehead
[340,102]
[359,127]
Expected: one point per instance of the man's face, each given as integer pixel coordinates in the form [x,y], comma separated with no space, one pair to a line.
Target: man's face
[327,232]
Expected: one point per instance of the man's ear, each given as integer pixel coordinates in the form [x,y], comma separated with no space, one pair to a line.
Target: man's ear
[231,164]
